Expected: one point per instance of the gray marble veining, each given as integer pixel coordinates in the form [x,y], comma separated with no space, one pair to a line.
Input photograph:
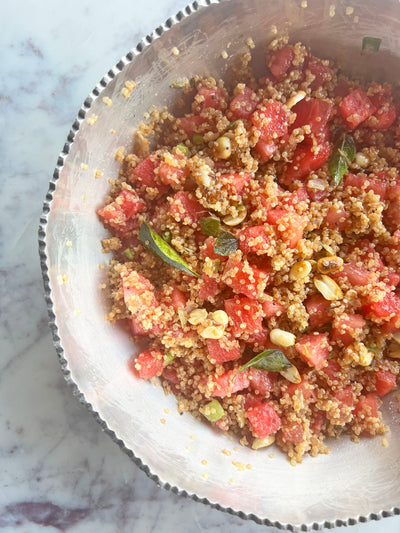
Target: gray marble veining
[58,471]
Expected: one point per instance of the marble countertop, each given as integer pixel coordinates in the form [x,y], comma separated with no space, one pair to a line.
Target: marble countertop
[58,470]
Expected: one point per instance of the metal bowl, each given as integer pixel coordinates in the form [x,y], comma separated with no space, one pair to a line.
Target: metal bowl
[354,482]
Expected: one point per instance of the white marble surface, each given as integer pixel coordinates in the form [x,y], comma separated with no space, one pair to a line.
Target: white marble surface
[58,471]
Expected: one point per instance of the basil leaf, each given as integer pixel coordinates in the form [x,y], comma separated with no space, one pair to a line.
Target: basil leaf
[270,360]
[152,241]
[345,152]
[210,226]
[226,244]
[371,44]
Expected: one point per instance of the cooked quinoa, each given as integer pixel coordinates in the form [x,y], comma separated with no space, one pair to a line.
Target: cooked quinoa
[281,197]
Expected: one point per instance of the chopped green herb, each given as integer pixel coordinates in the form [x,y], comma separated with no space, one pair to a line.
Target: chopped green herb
[197,139]
[152,241]
[213,411]
[270,360]
[182,148]
[179,83]
[192,83]
[226,244]
[371,44]
[343,155]
[168,358]
[374,349]
[128,254]
[167,236]
[210,226]
[234,123]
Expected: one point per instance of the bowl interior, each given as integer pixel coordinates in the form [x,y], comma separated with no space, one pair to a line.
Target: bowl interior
[354,479]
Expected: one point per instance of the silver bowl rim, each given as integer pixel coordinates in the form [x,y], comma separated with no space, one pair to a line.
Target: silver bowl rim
[146,41]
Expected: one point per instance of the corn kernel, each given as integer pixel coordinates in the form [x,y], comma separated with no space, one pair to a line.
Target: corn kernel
[211,332]
[220,317]
[197,316]
[222,148]
[282,338]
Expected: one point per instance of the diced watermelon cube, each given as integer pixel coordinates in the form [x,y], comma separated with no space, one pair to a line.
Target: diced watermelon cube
[385,381]
[271,120]
[237,181]
[264,420]
[261,381]
[186,209]
[170,174]
[145,173]
[265,150]
[336,218]
[254,239]
[209,288]
[192,124]
[346,328]
[242,105]
[362,182]
[290,225]
[222,350]
[244,278]
[228,383]
[209,97]
[178,298]
[307,390]
[245,315]
[314,113]
[306,159]
[271,308]
[356,107]
[367,406]
[319,311]
[320,72]
[118,214]
[148,364]
[281,61]
[208,250]
[318,422]
[332,370]
[357,276]
[389,307]
[314,349]
[292,432]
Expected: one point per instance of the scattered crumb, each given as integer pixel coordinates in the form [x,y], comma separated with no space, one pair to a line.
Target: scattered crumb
[111,181]
[231,438]
[226,452]
[101,266]
[349,10]
[240,466]
[385,442]
[332,10]
[356,19]
[166,411]
[107,100]
[235,449]
[304,3]
[98,174]
[162,420]
[78,312]
[271,455]
[119,154]
[112,131]
[103,286]
[232,480]
[205,476]
[84,198]
[274,29]
[224,54]
[204,462]
[188,448]
[250,43]
[146,115]
[64,278]
[92,119]
[175,51]
[248,467]
[84,166]
[69,243]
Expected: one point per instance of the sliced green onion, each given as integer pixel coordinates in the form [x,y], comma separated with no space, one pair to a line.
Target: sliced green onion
[179,83]
[213,411]
[182,148]
[343,155]
[168,358]
[270,360]
[210,226]
[226,244]
[371,44]
[128,254]
[374,349]
[197,139]
[152,241]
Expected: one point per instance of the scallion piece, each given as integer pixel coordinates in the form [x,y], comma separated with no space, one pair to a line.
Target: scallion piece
[128,254]
[210,226]
[152,241]
[343,154]
[182,148]
[213,411]
[168,358]
[197,139]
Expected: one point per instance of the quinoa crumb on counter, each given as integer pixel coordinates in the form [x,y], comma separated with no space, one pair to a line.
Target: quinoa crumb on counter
[256,251]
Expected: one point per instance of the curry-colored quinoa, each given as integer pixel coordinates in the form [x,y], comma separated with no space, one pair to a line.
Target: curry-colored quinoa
[317,262]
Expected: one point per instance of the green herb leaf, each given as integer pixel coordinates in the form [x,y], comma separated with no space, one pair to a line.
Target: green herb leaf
[344,153]
[128,254]
[213,411]
[371,44]
[152,241]
[210,226]
[197,139]
[179,83]
[270,360]
[226,244]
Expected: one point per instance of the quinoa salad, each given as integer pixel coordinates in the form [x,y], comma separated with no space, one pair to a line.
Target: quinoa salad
[256,251]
